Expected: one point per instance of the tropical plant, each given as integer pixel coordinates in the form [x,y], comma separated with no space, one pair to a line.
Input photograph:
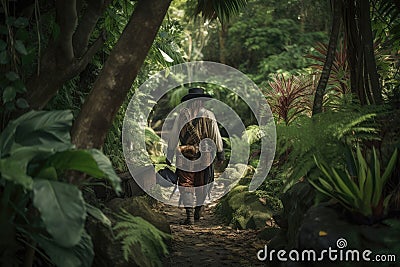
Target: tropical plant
[386,22]
[360,186]
[42,206]
[15,56]
[386,26]
[141,241]
[323,135]
[340,74]
[289,97]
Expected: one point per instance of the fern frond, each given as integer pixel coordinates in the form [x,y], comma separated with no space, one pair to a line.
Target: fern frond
[324,135]
[141,241]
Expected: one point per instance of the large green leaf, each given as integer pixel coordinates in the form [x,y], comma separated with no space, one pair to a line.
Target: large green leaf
[92,162]
[105,165]
[9,94]
[78,160]
[48,173]
[22,103]
[14,167]
[80,255]
[20,47]
[48,130]
[15,171]
[62,210]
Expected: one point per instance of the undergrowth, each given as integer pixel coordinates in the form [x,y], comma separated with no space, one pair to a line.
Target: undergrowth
[141,241]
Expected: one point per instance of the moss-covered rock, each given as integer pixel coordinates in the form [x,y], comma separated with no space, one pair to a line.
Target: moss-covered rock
[138,206]
[243,209]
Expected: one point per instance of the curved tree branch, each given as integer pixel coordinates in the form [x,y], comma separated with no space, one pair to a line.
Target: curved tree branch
[119,72]
[66,20]
[87,24]
[43,87]
[90,52]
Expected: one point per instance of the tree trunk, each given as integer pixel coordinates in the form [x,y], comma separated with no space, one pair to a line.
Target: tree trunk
[67,56]
[330,56]
[222,37]
[363,71]
[119,71]
[368,48]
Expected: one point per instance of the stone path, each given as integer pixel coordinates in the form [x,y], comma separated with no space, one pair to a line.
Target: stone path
[210,242]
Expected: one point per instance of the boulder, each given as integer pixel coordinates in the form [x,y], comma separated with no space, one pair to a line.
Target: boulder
[138,206]
[243,209]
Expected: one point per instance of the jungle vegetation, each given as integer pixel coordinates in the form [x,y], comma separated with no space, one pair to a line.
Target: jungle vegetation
[329,70]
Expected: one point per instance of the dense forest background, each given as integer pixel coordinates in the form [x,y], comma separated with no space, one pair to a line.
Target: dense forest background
[328,69]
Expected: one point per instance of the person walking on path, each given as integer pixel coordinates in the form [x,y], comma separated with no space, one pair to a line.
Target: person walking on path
[194,159]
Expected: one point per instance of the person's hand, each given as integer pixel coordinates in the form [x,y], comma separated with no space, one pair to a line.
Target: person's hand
[168,162]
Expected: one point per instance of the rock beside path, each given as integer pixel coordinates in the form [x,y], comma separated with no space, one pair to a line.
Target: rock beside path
[244,210]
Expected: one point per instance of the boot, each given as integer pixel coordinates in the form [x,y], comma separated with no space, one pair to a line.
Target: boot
[189,217]
[188,201]
[197,213]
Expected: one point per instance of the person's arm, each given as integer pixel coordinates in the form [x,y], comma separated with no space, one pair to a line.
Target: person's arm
[215,135]
[173,139]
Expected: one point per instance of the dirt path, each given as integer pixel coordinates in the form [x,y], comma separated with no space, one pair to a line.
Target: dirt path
[210,242]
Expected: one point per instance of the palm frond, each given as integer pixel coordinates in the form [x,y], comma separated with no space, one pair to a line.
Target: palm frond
[221,9]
